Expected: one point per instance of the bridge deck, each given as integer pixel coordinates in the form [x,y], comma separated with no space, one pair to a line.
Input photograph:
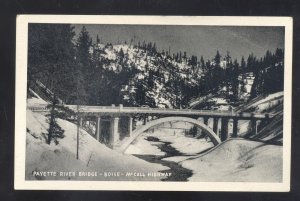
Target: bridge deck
[110,110]
[98,110]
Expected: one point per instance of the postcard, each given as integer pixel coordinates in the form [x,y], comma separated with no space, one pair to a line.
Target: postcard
[163,103]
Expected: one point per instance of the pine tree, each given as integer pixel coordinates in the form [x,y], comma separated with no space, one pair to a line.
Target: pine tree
[121,54]
[51,52]
[154,49]
[243,64]
[98,41]
[228,58]
[217,59]
[180,57]
[202,64]
[84,62]
[279,55]
[84,43]
[235,81]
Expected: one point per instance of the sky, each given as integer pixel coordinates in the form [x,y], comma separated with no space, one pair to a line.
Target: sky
[195,40]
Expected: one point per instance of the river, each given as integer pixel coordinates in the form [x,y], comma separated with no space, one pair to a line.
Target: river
[179,173]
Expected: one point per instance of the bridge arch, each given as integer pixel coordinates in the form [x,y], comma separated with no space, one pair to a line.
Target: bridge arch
[137,132]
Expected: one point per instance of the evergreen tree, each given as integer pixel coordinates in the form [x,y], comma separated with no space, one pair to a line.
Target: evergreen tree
[217,59]
[279,55]
[180,57]
[97,41]
[243,64]
[235,81]
[154,49]
[84,43]
[84,62]
[251,63]
[51,61]
[121,54]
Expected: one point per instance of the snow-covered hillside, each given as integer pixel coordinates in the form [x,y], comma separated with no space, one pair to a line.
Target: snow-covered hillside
[272,130]
[238,160]
[156,76]
[93,156]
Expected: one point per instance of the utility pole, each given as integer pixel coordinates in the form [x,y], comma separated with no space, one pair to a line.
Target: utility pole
[78,118]
[78,125]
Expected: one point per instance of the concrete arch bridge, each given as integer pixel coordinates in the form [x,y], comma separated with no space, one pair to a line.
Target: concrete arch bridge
[116,125]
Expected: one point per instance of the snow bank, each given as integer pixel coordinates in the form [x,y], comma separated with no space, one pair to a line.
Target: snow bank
[35,100]
[263,104]
[93,156]
[270,98]
[238,160]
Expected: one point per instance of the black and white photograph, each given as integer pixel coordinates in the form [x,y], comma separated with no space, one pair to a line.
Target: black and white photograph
[169,103]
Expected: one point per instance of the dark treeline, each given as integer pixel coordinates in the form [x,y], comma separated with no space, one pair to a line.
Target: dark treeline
[77,75]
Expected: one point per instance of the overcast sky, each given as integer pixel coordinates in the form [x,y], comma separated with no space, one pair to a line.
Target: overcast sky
[195,40]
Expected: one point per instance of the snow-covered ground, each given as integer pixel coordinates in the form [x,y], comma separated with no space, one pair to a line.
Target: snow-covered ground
[93,156]
[238,160]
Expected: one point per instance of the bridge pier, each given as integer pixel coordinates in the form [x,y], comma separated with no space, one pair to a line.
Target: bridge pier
[130,126]
[114,131]
[216,125]
[205,120]
[224,129]
[254,126]
[235,127]
[145,120]
[98,128]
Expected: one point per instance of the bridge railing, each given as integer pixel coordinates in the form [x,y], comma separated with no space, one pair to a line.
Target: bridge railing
[84,108]
[145,110]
